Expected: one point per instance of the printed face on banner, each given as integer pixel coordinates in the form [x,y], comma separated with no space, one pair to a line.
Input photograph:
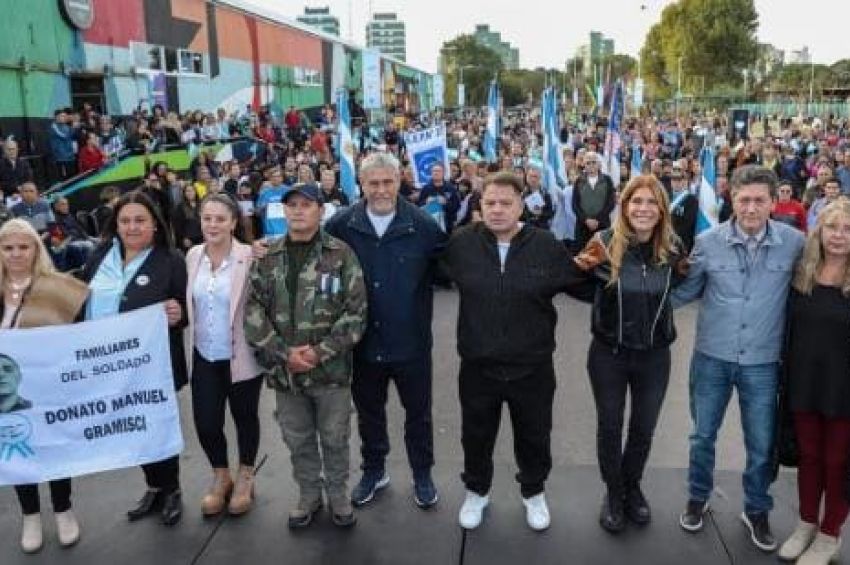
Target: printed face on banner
[425,161]
[10,380]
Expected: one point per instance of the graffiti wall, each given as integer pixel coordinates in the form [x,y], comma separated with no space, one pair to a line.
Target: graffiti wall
[183,54]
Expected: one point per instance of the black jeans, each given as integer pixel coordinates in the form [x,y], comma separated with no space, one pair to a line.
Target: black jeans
[163,475]
[60,496]
[369,389]
[211,390]
[529,401]
[612,374]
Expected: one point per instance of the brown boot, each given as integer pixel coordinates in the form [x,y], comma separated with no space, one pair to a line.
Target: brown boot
[216,497]
[243,493]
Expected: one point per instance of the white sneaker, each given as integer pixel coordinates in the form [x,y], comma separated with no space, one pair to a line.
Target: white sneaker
[536,512]
[68,528]
[798,542]
[31,535]
[823,550]
[472,511]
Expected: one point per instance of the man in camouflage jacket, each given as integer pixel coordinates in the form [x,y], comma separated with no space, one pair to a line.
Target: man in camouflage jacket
[305,311]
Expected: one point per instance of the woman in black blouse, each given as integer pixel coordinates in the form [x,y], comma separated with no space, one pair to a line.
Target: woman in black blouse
[818,365]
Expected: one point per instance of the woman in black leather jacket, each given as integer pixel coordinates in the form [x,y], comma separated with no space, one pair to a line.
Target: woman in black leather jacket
[633,266]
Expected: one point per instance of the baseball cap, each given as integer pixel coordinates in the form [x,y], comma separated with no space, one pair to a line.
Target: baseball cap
[309,190]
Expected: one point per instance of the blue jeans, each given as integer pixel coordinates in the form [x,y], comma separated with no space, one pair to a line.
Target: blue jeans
[711,383]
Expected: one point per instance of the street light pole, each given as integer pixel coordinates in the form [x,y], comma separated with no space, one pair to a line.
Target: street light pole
[679,86]
[812,86]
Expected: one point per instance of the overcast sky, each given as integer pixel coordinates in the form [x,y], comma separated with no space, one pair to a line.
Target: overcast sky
[547,32]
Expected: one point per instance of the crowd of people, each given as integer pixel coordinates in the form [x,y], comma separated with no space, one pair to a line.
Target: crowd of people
[334,299]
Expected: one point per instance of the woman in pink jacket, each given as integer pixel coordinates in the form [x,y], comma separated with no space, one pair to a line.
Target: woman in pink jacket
[222,364]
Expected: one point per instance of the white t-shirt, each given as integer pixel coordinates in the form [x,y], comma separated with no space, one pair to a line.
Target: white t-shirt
[380,223]
[503,252]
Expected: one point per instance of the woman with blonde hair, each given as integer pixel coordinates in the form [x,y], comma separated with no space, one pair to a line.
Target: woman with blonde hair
[633,264]
[34,295]
[818,385]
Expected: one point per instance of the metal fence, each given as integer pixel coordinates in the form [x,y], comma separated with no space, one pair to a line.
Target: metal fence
[837,109]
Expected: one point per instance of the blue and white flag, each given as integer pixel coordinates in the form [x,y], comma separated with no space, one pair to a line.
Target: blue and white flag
[709,209]
[637,160]
[554,176]
[347,179]
[427,148]
[611,155]
[102,399]
[553,160]
[491,135]
[438,86]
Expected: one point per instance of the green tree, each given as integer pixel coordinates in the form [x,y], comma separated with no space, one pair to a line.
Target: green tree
[480,64]
[796,81]
[620,66]
[712,41]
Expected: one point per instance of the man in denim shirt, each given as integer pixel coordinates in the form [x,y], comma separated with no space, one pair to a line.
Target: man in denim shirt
[742,270]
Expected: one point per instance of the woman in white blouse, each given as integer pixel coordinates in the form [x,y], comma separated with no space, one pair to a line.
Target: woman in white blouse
[222,364]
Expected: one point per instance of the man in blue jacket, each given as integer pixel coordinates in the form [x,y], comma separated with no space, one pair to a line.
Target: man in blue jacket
[62,136]
[397,245]
[742,270]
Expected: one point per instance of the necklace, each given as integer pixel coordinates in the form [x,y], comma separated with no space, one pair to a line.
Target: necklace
[17,288]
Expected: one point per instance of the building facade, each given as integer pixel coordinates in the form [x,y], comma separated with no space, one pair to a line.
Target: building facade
[800,56]
[180,54]
[595,52]
[493,40]
[386,33]
[320,19]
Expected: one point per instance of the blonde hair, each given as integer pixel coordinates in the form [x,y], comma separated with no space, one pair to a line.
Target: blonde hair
[42,264]
[811,261]
[623,235]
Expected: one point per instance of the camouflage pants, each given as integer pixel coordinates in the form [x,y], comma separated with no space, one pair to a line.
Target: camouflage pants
[317,417]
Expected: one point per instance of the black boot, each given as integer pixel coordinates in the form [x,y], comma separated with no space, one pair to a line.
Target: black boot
[637,508]
[612,516]
[172,508]
[150,503]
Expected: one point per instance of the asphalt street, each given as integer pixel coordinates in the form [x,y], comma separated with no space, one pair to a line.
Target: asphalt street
[392,530]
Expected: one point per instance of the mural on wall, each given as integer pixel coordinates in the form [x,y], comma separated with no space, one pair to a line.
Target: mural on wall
[183,54]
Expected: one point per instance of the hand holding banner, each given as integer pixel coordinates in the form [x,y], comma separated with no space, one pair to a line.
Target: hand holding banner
[103,399]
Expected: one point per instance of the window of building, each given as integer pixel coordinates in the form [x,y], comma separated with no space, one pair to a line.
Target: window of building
[148,57]
[307,77]
[168,59]
[191,62]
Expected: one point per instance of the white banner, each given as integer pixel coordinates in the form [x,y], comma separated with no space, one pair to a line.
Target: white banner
[437,96]
[427,148]
[372,79]
[102,398]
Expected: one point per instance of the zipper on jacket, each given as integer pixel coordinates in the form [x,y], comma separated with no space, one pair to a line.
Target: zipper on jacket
[620,317]
[660,307]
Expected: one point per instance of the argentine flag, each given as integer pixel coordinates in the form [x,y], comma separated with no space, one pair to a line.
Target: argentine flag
[491,135]
[554,177]
[347,179]
[709,209]
[637,160]
[553,160]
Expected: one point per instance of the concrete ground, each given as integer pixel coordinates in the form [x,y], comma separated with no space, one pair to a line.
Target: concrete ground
[392,530]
